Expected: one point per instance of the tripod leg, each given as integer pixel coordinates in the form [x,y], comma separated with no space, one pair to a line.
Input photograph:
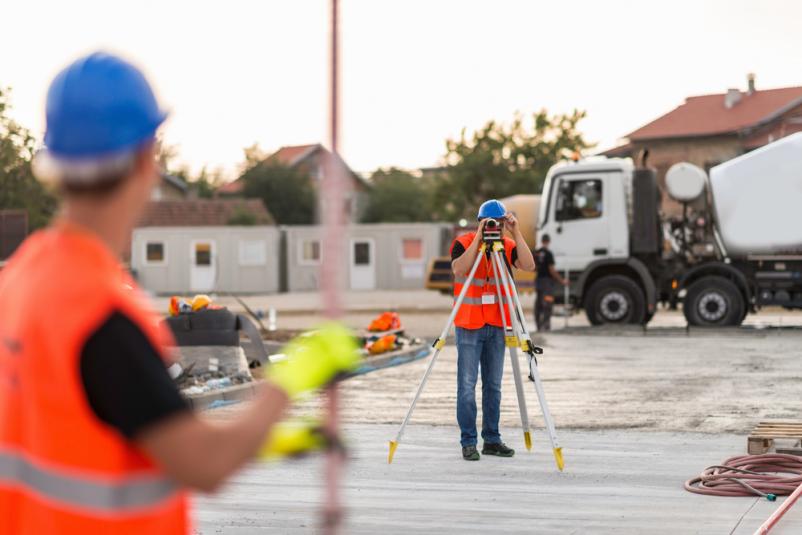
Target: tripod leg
[438,345]
[541,396]
[512,345]
[533,371]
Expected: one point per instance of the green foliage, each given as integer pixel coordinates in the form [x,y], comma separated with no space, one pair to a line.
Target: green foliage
[287,192]
[242,217]
[206,183]
[202,186]
[504,159]
[397,197]
[18,187]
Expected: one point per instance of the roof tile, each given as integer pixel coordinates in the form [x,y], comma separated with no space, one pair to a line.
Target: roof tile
[707,115]
[202,212]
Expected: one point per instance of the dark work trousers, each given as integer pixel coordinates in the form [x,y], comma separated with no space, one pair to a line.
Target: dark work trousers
[544,302]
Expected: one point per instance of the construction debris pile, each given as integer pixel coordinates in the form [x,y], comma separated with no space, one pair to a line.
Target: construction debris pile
[212,356]
[208,340]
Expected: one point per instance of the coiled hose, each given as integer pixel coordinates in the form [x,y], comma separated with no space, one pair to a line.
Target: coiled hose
[769,475]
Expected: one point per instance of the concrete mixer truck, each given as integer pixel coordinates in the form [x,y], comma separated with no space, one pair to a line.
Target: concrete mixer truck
[735,248]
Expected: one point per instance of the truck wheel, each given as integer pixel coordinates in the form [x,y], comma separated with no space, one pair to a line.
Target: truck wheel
[615,299]
[713,301]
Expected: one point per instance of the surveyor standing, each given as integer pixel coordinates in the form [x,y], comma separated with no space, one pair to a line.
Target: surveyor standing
[547,278]
[94,436]
[480,335]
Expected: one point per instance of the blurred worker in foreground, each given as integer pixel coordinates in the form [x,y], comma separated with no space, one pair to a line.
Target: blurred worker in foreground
[480,335]
[545,284]
[94,436]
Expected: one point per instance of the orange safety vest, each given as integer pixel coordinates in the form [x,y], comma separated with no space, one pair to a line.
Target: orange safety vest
[472,314]
[62,469]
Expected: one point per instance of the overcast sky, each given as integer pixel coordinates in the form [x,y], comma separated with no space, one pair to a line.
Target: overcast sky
[414,71]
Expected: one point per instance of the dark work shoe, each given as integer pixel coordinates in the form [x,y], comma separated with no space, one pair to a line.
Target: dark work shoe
[499,450]
[469,453]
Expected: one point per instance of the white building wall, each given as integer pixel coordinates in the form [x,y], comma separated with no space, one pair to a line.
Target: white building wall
[392,269]
[245,259]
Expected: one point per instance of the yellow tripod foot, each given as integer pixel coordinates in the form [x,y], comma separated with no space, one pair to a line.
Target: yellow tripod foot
[558,456]
[393,446]
[528,440]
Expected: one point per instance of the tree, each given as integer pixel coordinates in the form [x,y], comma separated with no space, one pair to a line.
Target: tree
[397,197]
[505,159]
[287,192]
[242,217]
[206,183]
[18,187]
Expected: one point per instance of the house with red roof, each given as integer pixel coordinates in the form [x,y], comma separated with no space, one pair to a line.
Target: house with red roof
[707,130]
[310,159]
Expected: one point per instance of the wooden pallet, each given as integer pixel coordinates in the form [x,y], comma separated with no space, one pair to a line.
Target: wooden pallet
[761,439]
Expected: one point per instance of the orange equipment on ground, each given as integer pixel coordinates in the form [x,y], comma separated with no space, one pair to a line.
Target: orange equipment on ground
[382,345]
[386,321]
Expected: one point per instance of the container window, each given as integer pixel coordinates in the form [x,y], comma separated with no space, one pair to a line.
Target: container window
[361,253]
[412,250]
[310,252]
[252,253]
[203,254]
[154,253]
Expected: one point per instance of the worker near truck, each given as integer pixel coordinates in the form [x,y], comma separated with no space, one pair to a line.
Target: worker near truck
[94,436]
[479,331]
[545,284]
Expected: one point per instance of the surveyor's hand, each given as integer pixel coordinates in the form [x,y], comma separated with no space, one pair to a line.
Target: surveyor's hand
[512,222]
[480,230]
[294,438]
[315,359]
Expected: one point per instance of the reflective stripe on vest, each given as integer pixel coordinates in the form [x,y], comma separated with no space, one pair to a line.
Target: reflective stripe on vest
[478,300]
[71,491]
[462,279]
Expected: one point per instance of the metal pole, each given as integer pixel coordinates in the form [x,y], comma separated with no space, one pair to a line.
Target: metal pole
[567,298]
[438,345]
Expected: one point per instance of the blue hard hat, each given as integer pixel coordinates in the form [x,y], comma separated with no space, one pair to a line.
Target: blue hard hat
[492,208]
[99,105]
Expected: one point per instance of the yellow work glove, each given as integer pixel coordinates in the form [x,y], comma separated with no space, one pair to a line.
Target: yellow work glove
[315,359]
[293,438]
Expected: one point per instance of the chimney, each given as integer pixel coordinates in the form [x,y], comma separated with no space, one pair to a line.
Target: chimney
[750,79]
[732,98]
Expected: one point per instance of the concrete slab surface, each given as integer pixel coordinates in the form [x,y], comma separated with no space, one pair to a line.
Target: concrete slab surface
[615,482]
[718,381]
[638,413]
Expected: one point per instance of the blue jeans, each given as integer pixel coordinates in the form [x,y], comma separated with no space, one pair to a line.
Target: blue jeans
[479,348]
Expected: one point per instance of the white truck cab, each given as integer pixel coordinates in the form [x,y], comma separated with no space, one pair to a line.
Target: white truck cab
[584,210]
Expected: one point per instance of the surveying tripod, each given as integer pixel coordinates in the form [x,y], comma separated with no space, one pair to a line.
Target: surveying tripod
[515,336]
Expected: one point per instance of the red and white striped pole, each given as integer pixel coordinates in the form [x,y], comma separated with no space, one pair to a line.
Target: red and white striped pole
[331,203]
[779,512]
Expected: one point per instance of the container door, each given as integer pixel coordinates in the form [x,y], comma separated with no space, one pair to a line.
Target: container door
[363,264]
[203,266]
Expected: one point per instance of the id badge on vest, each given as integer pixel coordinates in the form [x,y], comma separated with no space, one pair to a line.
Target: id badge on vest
[488,298]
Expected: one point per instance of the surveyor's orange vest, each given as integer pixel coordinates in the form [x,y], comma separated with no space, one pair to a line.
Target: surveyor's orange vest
[62,469]
[472,314]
